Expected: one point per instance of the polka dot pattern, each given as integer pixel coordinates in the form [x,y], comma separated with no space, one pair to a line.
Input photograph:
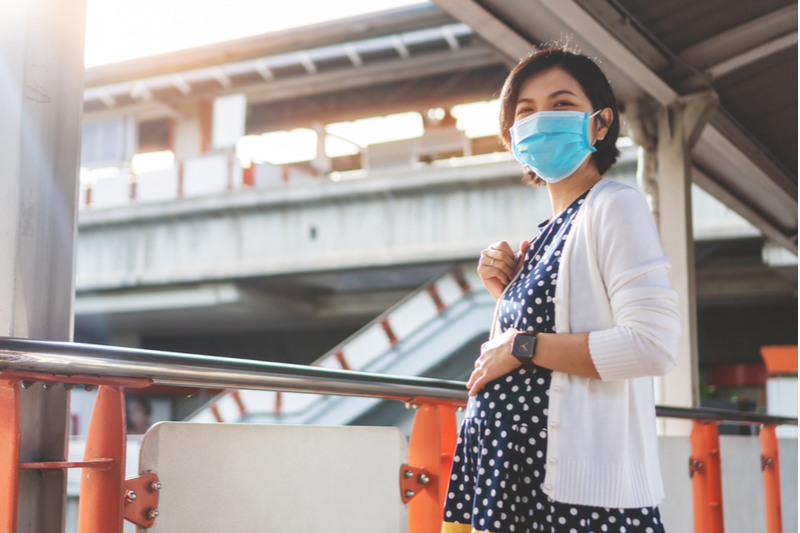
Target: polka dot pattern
[499,464]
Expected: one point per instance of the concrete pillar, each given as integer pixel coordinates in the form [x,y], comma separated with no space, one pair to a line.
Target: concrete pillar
[640,115]
[679,128]
[41,105]
[322,163]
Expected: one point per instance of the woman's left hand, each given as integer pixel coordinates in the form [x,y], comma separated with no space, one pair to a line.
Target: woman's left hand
[495,361]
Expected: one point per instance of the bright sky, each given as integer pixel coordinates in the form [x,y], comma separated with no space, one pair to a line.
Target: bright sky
[117,30]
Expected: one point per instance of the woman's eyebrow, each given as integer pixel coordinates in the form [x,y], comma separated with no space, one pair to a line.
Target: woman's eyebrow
[563,91]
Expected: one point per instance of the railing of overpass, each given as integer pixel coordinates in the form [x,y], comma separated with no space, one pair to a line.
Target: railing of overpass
[220,171]
[106,498]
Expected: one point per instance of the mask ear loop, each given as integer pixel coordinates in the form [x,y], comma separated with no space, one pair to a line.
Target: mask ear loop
[592,116]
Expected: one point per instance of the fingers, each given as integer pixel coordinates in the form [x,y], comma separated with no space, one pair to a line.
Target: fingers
[472,378]
[523,249]
[498,260]
[504,247]
[477,385]
[489,267]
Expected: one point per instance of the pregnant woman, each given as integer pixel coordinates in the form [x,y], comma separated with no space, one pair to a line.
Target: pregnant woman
[560,430]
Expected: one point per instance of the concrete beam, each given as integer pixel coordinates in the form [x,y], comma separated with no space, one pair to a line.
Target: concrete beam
[499,35]
[722,47]
[575,17]
[384,72]
[722,194]
[751,56]
[414,217]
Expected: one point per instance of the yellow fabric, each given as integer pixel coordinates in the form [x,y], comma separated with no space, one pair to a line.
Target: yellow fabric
[450,527]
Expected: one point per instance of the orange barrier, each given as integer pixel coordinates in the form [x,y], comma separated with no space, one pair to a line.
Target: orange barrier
[103,484]
[106,498]
[704,469]
[9,453]
[430,448]
[100,507]
[772,479]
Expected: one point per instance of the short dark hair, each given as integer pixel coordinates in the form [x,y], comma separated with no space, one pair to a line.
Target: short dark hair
[591,79]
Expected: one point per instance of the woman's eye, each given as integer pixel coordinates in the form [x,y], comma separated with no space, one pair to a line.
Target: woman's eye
[524,110]
[563,104]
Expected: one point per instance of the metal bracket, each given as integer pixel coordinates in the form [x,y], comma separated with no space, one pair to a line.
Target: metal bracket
[141,499]
[766,462]
[412,481]
[694,466]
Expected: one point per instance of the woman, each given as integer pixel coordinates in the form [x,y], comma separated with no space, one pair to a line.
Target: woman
[560,431]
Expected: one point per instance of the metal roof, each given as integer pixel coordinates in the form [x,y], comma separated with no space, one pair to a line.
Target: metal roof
[387,51]
[304,62]
[746,51]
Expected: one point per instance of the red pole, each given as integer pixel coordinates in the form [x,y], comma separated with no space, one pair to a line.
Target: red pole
[704,469]
[431,446]
[772,479]
[9,453]
[205,125]
[100,508]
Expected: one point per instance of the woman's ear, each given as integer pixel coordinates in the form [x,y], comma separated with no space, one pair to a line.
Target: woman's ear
[605,118]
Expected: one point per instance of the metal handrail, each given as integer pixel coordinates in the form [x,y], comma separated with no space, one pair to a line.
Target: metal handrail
[75,360]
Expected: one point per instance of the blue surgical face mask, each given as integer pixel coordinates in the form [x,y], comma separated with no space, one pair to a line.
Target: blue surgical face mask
[552,143]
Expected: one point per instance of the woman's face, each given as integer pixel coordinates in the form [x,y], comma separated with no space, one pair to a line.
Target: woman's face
[555,90]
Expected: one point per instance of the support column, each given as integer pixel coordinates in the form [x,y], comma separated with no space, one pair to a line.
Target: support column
[41,105]
[679,128]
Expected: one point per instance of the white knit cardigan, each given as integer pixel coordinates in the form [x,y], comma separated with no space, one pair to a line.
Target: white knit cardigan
[602,447]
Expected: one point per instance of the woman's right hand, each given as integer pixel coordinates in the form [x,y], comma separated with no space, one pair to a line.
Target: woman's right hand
[498,265]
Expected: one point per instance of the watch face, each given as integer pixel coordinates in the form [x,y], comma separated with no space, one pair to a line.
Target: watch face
[523,345]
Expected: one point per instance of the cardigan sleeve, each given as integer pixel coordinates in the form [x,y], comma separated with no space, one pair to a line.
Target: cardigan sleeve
[644,339]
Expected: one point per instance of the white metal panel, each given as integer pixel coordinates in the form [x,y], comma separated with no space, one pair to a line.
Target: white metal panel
[157,186]
[229,118]
[248,478]
[267,175]
[412,315]
[787,459]
[111,192]
[676,508]
[742,484]
[782,401]
[363,349]
[449,291]
[205,175]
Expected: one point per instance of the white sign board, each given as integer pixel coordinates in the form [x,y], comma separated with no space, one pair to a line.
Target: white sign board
[276,478]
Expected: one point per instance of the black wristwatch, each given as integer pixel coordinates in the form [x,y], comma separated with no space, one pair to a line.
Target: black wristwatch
[524,347]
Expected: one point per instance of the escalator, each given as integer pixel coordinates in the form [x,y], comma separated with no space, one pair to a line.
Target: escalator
[435,331]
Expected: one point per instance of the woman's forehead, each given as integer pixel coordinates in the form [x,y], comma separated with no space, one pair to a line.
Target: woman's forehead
[549,82]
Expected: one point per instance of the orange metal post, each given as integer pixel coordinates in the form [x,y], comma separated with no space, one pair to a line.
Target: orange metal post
[205,125]
[772,480]
[704,469]
[431,446]
[716,520]
[103,490]
[9,453]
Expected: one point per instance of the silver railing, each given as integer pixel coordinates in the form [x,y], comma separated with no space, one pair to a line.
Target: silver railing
[169,368]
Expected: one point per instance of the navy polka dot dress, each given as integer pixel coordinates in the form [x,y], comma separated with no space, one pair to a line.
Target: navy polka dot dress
[499,461]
